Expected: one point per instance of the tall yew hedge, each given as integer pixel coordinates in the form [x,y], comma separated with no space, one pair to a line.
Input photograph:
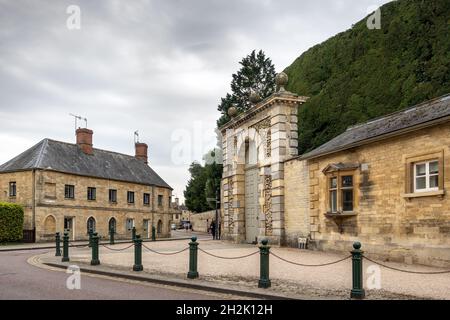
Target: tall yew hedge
[11,222]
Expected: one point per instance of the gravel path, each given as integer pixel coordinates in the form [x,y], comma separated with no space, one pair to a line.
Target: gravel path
[333,281]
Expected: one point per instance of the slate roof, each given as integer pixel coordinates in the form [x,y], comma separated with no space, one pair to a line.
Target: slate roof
[432,111]
[68,158]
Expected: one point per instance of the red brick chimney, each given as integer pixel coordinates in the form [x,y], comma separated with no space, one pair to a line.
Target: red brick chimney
[84,140]
[141,151]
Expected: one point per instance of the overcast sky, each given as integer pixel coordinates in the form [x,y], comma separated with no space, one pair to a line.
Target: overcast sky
[157,66]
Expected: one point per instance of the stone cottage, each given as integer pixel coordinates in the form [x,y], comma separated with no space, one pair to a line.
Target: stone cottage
[77,187]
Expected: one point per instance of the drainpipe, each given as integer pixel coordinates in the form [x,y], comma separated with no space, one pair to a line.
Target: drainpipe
[33,202]
[153,206]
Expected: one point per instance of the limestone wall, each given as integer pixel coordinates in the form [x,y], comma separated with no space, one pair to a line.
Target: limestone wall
[387,222]
[201,221]
[297,220]
[24,193]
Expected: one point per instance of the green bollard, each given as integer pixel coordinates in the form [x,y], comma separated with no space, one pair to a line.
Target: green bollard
[138,254]
[133,233]
[153,233]
[58,244]
[90,232]
[358,291]
[95,261]
[193,252]
[111,236]
[65,257]
[264,251]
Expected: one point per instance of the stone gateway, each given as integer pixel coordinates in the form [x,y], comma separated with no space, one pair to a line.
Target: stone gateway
[384,182]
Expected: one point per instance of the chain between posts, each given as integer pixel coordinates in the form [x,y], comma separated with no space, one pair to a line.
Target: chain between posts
[163,253]
[112,249]
[310,265]
[406,271]
[231,258]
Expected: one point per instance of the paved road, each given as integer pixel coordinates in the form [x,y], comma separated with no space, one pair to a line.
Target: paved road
[20,280]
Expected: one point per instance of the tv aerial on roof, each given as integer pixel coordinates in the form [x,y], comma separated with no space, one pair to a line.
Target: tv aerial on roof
[78,118]
[136,136]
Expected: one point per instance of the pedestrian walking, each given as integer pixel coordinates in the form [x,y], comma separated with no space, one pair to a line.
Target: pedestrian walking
[213,229]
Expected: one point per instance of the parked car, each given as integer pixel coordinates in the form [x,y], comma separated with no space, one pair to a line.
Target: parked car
[173,226]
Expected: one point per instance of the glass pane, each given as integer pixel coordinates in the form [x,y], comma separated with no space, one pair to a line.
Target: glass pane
[333,183]
[420,169]
[333,201]
[434,181]
[434,167]
[347,200]
[420,183]
[347,181]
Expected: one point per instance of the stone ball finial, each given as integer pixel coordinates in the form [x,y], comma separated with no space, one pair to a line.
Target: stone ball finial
[254,97]
[232,111]
[282,80]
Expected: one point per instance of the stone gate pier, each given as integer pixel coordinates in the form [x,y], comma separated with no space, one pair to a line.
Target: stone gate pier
[255,145]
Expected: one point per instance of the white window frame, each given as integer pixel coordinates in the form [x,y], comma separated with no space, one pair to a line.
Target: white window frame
[129,223]
[426,176]
[335,190]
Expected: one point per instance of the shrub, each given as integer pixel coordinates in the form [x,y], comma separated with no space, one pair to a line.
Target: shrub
[11,222]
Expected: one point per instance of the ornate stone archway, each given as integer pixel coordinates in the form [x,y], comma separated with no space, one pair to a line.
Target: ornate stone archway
[272,123]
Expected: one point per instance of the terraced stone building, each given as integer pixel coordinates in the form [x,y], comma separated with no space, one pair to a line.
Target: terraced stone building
[78,187]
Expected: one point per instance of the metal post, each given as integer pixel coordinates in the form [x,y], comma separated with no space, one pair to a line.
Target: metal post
[216,230]
[138,254]
[358,291]
[90,232]
[58,244]
[264,251]
[65,257]
[133,233]
[95,261]
[111,236]
[153,233]
[193,252]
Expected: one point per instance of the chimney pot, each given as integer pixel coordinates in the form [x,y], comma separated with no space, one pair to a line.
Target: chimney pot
[84,140]
[141,151]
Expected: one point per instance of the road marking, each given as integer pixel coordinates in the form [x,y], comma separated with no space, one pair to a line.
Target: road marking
[35,261]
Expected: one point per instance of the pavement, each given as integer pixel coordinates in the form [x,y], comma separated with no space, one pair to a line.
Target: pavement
[21,279]
[175,235]
[238,276]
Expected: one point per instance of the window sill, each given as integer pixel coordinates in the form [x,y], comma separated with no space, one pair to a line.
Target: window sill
[341,214]
[439,193]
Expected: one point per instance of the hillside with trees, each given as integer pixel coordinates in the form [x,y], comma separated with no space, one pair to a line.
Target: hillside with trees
[363,73]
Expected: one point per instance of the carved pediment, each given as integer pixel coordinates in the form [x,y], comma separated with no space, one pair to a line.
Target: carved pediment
[334,167]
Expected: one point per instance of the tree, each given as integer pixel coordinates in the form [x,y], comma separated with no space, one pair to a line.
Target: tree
[361,74]
[194,194]
[257,73]
[203,184]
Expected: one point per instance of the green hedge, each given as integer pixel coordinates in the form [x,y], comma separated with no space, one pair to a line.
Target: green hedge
[11,222]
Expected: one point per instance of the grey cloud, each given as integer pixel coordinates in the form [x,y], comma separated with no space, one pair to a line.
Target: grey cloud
[156,66]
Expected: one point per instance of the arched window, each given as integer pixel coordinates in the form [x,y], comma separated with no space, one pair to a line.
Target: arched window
[112,225]
[160,226]
[90,224]
[50,225]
